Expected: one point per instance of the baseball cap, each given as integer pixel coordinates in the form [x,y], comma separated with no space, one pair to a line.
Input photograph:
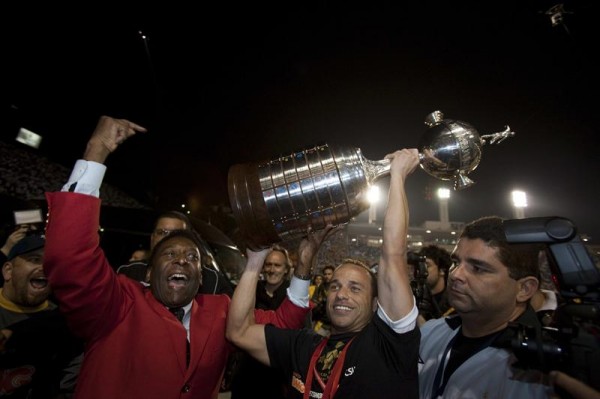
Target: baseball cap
[27,244]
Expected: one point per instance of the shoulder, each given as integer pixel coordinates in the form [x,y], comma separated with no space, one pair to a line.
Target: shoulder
[442,325]
[212,300]
[133,265]
[387,339]
[303,338]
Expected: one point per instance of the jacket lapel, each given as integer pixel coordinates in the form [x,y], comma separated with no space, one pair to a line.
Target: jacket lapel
[175,330]
[201,327]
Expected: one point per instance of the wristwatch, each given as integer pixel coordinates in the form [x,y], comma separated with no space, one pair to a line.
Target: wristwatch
[307,276]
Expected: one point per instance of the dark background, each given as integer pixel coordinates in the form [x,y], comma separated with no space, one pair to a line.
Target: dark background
[219,85]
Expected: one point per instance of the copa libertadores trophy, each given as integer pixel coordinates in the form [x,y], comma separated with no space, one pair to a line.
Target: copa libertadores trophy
[278,200]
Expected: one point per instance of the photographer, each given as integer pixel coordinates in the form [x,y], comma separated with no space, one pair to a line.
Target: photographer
[568,345]
[431,267]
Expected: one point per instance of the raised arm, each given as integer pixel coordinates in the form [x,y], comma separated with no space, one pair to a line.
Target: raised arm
[308,249]
[74,263]
[242,329]
[393,284]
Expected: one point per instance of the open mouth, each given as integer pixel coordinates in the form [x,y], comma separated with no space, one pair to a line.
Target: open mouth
[177,280]
[39,282]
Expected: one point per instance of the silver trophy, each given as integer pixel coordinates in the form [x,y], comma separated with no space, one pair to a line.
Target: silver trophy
[278,200]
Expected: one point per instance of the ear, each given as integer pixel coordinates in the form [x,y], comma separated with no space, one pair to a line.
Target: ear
[7,269]
[528,286]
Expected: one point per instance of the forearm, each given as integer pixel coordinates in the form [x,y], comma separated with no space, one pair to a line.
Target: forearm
[96,151]
[304,266]
[395,295]
[307,251]
[300,283]
[395,222]
[241,309]
[242,329]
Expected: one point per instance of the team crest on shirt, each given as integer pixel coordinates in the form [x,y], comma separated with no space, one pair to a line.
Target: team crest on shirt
[13,379]
[297,382]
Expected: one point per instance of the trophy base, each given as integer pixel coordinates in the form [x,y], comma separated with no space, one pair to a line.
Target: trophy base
[249,208]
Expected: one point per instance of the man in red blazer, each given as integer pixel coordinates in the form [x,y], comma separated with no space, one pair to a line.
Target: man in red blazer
[135,346]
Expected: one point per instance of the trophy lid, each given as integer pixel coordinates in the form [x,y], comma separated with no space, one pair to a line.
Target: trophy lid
[450,149]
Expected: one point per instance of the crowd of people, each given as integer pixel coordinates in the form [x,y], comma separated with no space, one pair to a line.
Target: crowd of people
[170,325]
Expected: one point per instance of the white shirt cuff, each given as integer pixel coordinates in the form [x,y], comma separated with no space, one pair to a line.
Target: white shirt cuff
[298,292]
[405,324]
[86,177]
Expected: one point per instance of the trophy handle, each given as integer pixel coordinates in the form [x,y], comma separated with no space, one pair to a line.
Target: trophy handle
[498,137]
[374,170]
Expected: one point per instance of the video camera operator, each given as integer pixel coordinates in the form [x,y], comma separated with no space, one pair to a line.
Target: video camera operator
[428,281]
[569,346]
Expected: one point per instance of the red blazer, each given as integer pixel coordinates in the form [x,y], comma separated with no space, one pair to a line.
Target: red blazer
[135,348]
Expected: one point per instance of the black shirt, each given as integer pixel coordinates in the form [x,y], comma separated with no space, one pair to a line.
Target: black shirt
[379,363]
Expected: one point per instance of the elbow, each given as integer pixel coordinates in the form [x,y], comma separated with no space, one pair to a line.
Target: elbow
[232,333]
[235,332]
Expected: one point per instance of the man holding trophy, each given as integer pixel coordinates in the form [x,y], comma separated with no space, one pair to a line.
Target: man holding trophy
[372,350]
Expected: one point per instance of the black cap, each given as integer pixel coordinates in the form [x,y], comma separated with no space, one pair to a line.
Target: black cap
[27,244]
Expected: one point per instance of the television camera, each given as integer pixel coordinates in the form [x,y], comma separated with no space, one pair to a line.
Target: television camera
[571,343]
[418,283]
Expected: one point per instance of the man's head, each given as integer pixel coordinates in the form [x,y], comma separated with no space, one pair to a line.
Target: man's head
[438,262]
[25,283]
[166,223]
[351,296]
[175,268]
[139,255]
[491,281]
[277,265]
[327,273]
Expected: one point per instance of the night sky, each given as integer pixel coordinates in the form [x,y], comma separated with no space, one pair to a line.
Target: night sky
[219,85]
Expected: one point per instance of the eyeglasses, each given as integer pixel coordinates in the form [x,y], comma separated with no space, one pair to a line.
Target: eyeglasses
[162,232]
[266,264]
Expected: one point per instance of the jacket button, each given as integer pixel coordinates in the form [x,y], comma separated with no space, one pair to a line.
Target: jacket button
[186,388]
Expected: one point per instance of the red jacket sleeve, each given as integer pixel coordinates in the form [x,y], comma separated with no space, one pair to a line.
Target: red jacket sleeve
[287,315]
[81,278]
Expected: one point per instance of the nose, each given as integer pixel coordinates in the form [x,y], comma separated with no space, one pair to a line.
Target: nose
[455,271]
[342,293]
[181,259]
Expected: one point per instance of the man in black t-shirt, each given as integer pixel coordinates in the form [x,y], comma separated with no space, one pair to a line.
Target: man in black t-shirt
[372,350]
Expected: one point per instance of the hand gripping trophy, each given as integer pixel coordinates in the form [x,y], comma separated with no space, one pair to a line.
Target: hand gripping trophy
[277,200]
